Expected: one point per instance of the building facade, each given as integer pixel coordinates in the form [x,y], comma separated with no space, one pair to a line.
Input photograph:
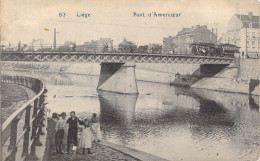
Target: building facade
[101,45]
[180,44]
[244,32]
[167,44]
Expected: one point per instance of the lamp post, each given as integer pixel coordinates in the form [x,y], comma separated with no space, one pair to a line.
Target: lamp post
[246,41]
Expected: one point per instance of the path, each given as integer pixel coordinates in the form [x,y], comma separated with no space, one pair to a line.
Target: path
[99,152]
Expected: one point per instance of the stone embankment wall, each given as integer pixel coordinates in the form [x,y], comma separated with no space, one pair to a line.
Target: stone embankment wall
[152,72]
[242,79]
[249,68]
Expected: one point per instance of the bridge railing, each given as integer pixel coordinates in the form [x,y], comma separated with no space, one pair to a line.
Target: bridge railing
[70,53]
[21,131]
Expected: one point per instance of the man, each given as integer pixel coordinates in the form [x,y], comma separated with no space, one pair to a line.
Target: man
[73,122]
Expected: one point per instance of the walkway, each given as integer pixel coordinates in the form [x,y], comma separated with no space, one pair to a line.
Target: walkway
[104,151]
[99,152]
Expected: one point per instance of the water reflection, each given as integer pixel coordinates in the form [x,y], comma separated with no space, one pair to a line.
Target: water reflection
[117,114]
[117,108]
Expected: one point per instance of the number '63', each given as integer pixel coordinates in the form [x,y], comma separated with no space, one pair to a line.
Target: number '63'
[62,14]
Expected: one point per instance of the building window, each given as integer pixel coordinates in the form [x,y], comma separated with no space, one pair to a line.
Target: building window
[253,44]
[250,25]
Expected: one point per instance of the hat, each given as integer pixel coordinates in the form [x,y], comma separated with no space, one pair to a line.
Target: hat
[63,114]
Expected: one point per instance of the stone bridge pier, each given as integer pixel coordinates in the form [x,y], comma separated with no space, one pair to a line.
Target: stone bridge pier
[118,77]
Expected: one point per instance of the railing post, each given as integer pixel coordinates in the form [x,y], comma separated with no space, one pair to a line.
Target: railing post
[27,128]
[35,136]
[34,128]
[13,138]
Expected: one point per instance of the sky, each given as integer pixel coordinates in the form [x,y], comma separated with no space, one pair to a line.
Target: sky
[25,20]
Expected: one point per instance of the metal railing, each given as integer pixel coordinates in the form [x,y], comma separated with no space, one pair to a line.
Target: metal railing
[21,131]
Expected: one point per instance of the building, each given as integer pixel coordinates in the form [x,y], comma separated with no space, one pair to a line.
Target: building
[127,46]
[244,31]
[167,44]
[154,48]
[101,45]
[180,44]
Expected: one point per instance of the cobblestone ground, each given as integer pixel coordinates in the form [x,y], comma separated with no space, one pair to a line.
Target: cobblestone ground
[99,152]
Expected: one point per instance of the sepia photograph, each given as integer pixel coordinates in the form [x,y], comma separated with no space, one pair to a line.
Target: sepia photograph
[130,80]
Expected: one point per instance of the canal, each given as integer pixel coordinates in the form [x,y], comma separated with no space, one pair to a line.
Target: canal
[170,122]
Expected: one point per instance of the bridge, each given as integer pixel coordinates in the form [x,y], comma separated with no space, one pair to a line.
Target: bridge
[115,57]
[20,133]
[117,68]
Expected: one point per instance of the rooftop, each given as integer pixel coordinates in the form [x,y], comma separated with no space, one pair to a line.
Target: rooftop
[192,29]
[247,19]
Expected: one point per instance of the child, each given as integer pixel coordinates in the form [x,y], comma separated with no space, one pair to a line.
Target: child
[60,128]
[86,136]
[96,134]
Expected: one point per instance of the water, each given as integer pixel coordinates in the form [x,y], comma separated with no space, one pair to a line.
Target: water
[173,123]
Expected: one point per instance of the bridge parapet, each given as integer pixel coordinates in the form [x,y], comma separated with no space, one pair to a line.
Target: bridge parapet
[98,57]
[21,131]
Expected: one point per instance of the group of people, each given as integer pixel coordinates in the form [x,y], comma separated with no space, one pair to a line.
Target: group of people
[79,134]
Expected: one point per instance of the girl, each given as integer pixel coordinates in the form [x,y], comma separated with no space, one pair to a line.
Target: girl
[96,134]
[86,136]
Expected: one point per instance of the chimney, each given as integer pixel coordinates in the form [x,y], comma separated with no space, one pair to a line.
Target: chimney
[217,33]
[250,15]
[212,30]
[54,41]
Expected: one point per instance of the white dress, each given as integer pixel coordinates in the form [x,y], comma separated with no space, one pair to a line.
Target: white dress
[85,141]
[96,134]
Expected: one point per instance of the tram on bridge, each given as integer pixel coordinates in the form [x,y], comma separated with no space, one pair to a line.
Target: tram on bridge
[211,49]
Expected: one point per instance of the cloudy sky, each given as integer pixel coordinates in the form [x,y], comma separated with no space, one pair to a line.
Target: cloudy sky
[24,20]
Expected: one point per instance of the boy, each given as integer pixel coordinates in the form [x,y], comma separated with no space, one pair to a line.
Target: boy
[73,122]
[60,127]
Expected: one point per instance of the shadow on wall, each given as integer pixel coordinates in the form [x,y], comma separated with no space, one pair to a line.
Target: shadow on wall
[253,84]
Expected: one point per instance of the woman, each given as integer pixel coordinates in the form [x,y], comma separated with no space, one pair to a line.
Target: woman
[85,141]
[96,134]
[55,118]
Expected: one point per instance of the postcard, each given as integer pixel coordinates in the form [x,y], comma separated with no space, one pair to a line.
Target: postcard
[149,80]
